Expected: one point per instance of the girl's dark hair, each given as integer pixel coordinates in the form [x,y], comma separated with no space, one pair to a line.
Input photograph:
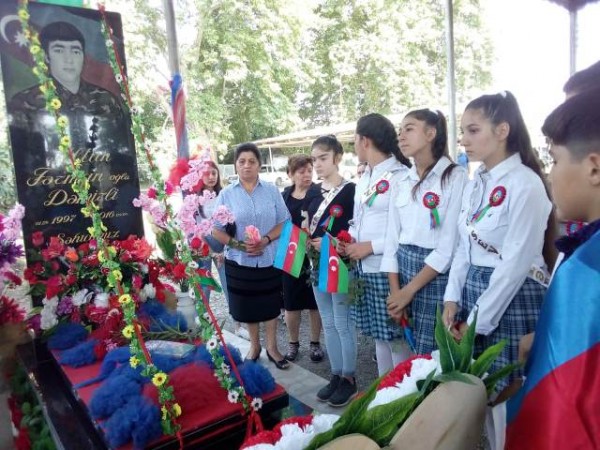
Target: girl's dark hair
[584,80]
[218,186]
[436,120]
[381,131]
[247,147]
[503,107]
[329,142]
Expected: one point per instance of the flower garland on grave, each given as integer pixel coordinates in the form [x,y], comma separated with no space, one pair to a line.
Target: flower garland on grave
[210,330]
[110,268]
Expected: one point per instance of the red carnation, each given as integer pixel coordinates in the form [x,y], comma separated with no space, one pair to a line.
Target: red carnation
[301,421]
[37,239]
[264,437]
[54,286]
[151,192]
[344,236]
[399,372]
[179,271]
[196,243]
[71,279]
[54,266]
[54,250]
[12,277]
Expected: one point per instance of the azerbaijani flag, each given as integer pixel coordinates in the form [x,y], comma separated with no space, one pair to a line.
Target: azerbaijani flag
[558,406]
[291,249]
[206,279]
[333,273]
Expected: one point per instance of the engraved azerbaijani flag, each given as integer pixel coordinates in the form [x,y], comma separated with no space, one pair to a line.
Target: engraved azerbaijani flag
[291,249]
[333,273]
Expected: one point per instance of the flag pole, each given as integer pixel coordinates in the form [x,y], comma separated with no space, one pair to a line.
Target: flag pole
[177,95]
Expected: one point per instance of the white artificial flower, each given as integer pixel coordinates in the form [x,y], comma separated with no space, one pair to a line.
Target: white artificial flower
[192,293]
[101,300]
[294,438]
[144,268]
[80,297]
[206,316]
[109,42]
[212,343]
[233,396]
[178,245]
[148,291]
[256,403]
[193,265]
[225,368]
[119,78]
[197,320]
[48,320]
[324,422]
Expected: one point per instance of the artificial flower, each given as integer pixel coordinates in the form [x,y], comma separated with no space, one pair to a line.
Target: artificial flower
[233,396]
[159,379]
[125,299]
[134,362]
[176,409]
[256,403]
[37,238]
[128,331]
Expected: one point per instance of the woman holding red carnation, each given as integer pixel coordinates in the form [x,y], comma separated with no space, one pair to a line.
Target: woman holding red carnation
[376,143]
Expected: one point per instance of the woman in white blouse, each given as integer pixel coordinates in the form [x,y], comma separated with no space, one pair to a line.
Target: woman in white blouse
[422,231]
[499,269]
[375,142]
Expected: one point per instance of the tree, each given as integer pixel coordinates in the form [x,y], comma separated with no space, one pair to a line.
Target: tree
[389,56]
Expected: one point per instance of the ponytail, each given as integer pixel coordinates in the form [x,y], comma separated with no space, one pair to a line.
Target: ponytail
[381,131]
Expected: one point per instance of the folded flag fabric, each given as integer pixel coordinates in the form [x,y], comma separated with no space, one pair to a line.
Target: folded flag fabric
[291,249]
[557,407]
[333,273]
[206,279]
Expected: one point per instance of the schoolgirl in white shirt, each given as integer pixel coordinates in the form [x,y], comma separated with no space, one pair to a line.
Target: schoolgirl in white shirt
[499,270]
[422,232]
[375,142]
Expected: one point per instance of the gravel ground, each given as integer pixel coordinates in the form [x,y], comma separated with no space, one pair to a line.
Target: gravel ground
[366,369]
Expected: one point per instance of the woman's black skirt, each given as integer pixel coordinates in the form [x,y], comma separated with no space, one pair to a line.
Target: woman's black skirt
[254,292]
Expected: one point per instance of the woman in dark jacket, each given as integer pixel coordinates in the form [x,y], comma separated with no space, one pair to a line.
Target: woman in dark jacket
[297,292]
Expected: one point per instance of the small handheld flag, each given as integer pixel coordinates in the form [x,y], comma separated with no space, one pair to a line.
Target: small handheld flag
[333,273]
[291,249]
[408,334]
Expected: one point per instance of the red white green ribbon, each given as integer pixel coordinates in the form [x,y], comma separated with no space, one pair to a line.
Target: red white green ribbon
[335,212]
[497,197]
[431,201]
[380,188]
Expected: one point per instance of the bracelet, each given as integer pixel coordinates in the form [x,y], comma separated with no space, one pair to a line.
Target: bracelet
[268,238]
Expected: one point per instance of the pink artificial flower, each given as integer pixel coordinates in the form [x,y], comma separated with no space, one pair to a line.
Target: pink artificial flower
[251,235]
[223,215]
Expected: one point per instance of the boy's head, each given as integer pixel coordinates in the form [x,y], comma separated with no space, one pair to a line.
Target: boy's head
[582,81]
[574,133]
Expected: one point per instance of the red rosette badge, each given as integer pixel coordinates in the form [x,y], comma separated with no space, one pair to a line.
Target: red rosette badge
[381,187]
[335,212]
[431,201]
[497,197]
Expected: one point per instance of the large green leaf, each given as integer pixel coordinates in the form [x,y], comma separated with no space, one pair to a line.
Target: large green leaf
[466,345]
[483,363]
[491,380]
[450,352]
[453,376]
[382,422]
[165,242]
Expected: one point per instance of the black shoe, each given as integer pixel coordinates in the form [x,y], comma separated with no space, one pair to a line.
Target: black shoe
[247,358]
[292,352]
[327,391]
[281,365]
[316,352]
[345,392]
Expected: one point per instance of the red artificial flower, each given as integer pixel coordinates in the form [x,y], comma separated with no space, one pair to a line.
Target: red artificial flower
[22,441]
[125,256]
[263,437]
[137,281]
[13,277]
[169,189]
[70,279]
[54,265]
[179,271]
[196,243]
[151,192]
[91,260]
[142,250]
[93,244]
[96,314]
[54,250]
[75,316]
[30,276]
[84,248]
[10,311]
[37,239]
[54,286]
[344,236]
[399,372]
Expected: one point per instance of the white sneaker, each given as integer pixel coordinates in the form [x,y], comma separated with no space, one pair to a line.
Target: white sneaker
[243,333]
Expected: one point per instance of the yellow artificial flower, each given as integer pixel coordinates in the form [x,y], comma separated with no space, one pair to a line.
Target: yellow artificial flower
[36,72]
[112,251]
[128,332]
[55,103]
[27,33]
[23,14]
[159,379]
[117,274]
[176,409]
[91,231]
[133,362]
[62,121]
[100,253]
[77,165]
[34,49]
[125,299]
[164,413]
[65,141]
[43,89]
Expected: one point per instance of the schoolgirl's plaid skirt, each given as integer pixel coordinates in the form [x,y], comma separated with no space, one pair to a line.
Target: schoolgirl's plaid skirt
[370,309]
[519,318]
[423,308]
